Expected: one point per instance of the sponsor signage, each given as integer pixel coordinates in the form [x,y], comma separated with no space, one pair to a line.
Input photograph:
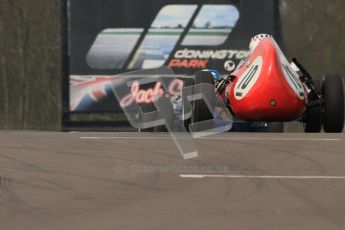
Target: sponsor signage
[107,38]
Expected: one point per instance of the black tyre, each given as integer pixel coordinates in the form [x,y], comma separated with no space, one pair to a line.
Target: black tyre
[162,128]
[333,94]
[200,110]
[187,82]
[313,119]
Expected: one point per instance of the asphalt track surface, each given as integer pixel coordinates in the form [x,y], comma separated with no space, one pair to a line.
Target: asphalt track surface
[139,181]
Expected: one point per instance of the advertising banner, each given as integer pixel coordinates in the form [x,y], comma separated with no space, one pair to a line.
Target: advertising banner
[108,37]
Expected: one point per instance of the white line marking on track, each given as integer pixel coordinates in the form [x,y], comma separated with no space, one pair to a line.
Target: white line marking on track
[191,176]
[274,138]
[225,138]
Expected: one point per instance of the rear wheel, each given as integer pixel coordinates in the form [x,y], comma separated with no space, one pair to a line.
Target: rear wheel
[313,118]
[146,108]
[200,110]
[187,83]
[333,94]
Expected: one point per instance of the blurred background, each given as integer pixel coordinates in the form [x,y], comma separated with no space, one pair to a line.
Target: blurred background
[30,75]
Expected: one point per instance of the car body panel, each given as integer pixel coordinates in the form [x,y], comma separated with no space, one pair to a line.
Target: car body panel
[265,87]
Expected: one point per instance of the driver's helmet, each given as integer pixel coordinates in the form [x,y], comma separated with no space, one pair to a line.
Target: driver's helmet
[254,42]
[215,73]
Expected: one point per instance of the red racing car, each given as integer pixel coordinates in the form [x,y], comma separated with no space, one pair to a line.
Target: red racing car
[266,87]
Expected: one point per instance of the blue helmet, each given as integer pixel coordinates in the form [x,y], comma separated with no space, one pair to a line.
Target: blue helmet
[216,75]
